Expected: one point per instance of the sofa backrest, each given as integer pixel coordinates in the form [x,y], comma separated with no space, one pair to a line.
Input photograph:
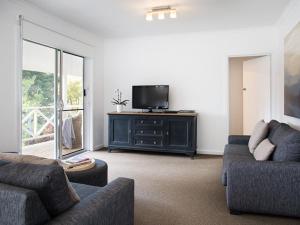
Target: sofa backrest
[287,142]
[20,206]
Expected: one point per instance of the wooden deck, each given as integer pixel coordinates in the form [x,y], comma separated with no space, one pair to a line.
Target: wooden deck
[45,149]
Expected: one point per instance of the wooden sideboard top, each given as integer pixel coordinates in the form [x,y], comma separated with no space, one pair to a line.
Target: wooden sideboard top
[152,114]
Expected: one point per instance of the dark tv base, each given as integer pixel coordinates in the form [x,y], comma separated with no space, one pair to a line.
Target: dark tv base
[156,132]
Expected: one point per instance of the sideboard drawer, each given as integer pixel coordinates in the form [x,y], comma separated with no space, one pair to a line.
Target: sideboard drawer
[148,141]
[148,122]
[148,132]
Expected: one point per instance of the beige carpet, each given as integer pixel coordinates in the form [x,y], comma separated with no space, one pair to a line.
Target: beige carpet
[175,190]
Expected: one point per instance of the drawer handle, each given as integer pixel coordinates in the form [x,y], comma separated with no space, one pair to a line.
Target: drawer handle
[154,142]
[154,132]
[154,122]
[142,142]
[142,131]
[142,121]
[167,133]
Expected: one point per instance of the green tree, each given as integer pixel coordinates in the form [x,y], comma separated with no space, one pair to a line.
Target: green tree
[74,92]
[38,88]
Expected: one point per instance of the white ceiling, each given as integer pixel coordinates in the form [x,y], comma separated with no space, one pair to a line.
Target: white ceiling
[122,18]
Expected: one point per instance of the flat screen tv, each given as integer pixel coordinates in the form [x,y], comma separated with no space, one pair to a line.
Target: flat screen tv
[150,97]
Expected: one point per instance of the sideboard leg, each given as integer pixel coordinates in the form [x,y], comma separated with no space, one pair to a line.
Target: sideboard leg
[235,212]
[191,155]
[109,150]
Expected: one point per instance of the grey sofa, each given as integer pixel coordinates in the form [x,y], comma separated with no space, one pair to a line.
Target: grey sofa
[112,204]
[266,187]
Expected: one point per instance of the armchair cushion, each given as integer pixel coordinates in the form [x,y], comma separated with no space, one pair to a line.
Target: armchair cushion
[20,206]
[49,181]
[112,204]
[14,157]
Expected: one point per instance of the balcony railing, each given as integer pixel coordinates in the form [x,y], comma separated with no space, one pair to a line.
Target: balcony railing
[37,123]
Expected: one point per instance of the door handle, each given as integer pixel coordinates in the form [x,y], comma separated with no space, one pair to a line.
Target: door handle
[244,89]
[60,104]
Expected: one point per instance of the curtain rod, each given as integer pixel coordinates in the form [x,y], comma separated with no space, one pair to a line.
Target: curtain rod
[21,18]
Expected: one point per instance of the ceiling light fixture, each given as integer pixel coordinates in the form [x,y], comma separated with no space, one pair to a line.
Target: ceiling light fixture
[173,14]
[160,12]
[149,16]
[161,16]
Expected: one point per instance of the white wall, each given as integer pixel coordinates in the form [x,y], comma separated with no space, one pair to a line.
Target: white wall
[9,59]
[286,23]
[195,65]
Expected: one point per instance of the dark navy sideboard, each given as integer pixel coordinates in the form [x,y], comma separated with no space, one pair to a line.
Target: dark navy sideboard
[159,132]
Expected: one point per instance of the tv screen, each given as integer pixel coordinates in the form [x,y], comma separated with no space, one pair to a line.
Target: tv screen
[150,97]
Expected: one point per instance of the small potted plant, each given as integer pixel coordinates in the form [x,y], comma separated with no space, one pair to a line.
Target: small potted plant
[118,101]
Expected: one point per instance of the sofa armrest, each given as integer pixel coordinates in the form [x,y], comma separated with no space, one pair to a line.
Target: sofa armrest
[239,139]
[264,187]
[111,205]
[19,206]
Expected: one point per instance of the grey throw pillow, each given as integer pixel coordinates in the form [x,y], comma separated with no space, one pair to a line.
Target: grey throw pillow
[259,133]
[289,148]
[264,150]
[49,181]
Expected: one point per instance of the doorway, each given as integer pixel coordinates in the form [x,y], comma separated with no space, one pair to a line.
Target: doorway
[249,92]
[52,101]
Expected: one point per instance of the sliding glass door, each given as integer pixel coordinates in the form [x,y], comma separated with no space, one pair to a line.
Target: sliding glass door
[72,111]
[52,101]
[38,100]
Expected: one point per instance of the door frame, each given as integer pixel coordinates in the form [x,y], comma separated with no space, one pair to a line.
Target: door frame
[268,90]
[58,124]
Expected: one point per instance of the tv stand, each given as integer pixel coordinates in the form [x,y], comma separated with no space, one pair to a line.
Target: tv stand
[157,132]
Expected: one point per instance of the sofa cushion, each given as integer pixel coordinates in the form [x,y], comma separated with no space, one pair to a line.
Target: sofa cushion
[264,150]
[258,135]
[49,181]
[234,153]
[288,148]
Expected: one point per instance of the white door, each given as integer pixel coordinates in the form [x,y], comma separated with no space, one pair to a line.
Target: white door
[256,92]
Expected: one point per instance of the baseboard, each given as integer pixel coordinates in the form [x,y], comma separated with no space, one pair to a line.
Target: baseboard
[201,152]
[209,152]
[97,147]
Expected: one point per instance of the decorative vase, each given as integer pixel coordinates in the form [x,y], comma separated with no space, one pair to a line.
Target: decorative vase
[119,108]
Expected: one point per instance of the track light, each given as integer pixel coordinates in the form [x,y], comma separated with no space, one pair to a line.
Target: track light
[160,12]
[161,16]
[149,16]
[173,14]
